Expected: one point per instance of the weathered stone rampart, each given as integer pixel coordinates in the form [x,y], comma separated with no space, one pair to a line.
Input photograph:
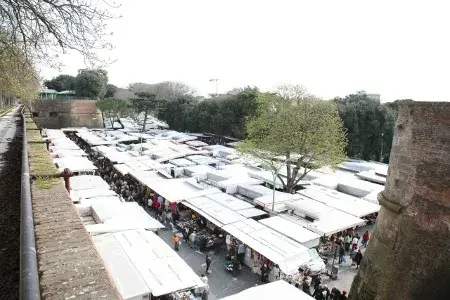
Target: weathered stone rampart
[408,256]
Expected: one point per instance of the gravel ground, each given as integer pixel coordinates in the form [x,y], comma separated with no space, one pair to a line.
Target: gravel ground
[10,171]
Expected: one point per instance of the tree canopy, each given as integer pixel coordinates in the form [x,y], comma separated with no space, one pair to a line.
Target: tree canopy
[111,89]
[145,103]
[112,108]
[91,83]
[370,126]
[166,90]
[43,28]
[61,82]
[307,133]
[222,115]
[17,77]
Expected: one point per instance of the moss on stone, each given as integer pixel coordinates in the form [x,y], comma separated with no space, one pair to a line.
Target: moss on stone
[45,183]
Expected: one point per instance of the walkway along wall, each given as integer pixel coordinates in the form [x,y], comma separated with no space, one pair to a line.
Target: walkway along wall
[66,113]
[408,256]
[68,264]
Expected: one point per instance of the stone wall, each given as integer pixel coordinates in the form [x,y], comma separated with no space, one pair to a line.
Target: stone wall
[66,113]
[408,256]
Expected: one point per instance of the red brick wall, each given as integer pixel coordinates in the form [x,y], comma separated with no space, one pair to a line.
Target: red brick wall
[408,256]
[69,113]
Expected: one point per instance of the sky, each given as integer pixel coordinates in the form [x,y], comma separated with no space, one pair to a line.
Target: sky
[399,49]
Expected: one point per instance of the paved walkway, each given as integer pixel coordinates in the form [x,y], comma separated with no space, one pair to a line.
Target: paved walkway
[221,283]
[347,272]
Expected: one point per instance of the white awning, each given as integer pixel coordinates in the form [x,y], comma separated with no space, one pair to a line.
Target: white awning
[275,290]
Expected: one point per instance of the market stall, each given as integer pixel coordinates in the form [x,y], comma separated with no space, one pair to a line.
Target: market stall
[83,182]
[75,164]
[295,231]
[266,246]
[279,289]
[343,202]
[143,265]
[319,218]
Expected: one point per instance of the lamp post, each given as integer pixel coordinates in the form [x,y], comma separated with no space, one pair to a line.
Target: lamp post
[381,150]
[216,80]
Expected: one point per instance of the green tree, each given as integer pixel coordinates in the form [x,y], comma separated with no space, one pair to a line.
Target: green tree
[222,115]
[306,133]
[146,103]
[61,83]
[369,125]
[112,109]
[17,77]
[111,90]
[91,83]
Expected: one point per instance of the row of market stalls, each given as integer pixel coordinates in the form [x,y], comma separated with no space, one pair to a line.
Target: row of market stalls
[141,264]
[236,196]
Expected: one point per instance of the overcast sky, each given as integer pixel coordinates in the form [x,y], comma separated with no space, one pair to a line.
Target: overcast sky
[399,49]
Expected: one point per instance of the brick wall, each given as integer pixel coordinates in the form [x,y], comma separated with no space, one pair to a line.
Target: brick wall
[408,256]
[69,113]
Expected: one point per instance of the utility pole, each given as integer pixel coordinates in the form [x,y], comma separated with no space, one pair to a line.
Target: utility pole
[216,80]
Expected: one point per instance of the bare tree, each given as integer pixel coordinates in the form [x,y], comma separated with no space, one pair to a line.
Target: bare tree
[43,28]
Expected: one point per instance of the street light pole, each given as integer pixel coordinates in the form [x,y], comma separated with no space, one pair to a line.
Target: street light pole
[216,80]
[273,191]
[381,150]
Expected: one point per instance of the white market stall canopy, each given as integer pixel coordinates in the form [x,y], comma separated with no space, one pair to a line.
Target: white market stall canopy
[181,162]
[253,191]
[196,143]
[175,190]
[240,206]
[87,203]
[279,201]
[91,193]
[203,160]
[113,216]
[93,139]
[251,212]
[274,290]
[197,169]
[295,231]
[83,182]
[356,187]
[288,254]
[373,196]
[346,203]
[327,220]
[141,263]
[67,152]
[230,201]
[216,213]
[372,176]
[148,177]
[75,164]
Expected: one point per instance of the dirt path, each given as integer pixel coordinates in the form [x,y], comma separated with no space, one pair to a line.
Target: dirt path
[10,174]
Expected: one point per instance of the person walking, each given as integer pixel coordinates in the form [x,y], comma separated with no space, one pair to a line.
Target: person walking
[341,254]
[264,273]
[176,242]
[358,258]
[355,242]
[365,238]
[208,264]
[241,253]
[348,241]
[335,293]
[343,296]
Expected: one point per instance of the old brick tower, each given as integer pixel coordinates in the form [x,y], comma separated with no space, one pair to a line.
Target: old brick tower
[408,256]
